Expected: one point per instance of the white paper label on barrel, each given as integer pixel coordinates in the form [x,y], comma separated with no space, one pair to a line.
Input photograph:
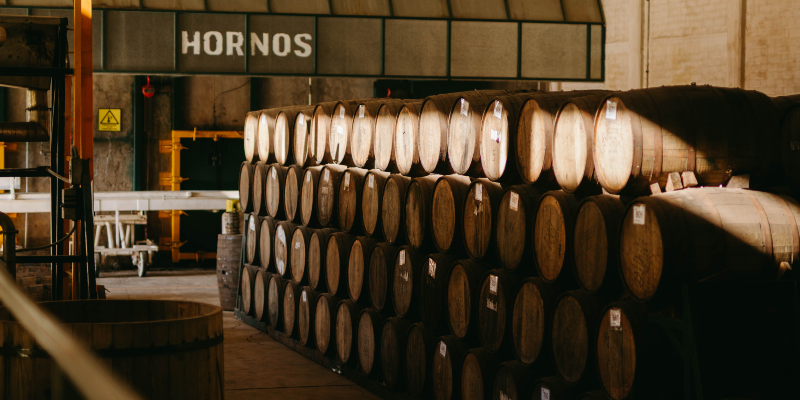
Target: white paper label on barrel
[545,393]
[493,284]
[402,257]
[308,177]
[464,106]
[252,224]
[361,111]
[514,203]
[442,349]
[611,110]
[339,130]
[616,318]
[346,180]
[432,268]
[327,175]
[301,119]
[304,296]
[341,112]
[274,173]
[296,245]
[638,214]
[479,192]
[498,109]
[371,181]
[496,135]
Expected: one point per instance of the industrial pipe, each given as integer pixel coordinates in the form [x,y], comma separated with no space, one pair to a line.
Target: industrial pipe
[34,130]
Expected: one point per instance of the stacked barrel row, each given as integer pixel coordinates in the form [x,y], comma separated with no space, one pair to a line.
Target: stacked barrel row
[488,282]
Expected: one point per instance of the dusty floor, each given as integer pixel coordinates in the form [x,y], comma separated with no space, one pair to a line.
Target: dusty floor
[256,366]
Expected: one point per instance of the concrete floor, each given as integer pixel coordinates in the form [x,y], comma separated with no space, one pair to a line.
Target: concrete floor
[256,366]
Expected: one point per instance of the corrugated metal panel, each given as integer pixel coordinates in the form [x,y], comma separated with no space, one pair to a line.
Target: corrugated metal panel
[553,51]
[536,10]
[421,8]
[361,7]
[583,10]
[480,49]
[349,46]
[416,48]
[484,9]
[300,6]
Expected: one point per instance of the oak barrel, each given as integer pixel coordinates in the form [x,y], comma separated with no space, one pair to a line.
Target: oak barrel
[690,234]
[595,249]
[320,128]
[276,179]
[515,221]
[419,349]
[340,131]
[553,388]
[306,315]
[512,380]
[275,301]
[349,200]
[481,206]
[463,287]
[252,242]
[246,186]
[325,321]
[534,133]
[317,258]
[250,136]
[642,135]
[337,259]
[301,241]
[282,248]
[266,237]
[385,128]
[265,132]
[418,212]
[248,289]
[464,133]
[446,368]
[447,208]
[573,138]
[531,321]
[394,335]
[498,129]
[229,260]
[347,313]
[308,197]
[292,189]
[381,271]
[358,268]
[406,140]
[495,309]
[371,201]
[393,208]
[328,194]
[476,373]
[302,148]
[284,137]
[154,364]
[575,323]
[553,234]
[405,286]
[291,302]
[370,323]
[261,295]
[259,186]
[365,132]
[433,282]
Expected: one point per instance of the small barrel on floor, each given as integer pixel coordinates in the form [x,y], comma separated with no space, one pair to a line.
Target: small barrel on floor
[229,261]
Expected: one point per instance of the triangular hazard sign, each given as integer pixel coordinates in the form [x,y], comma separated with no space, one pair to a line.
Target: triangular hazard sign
[109,118]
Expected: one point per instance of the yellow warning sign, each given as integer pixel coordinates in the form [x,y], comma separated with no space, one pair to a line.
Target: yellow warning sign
[109,119]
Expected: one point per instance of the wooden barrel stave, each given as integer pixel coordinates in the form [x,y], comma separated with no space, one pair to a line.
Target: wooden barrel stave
[282,248]
[365,133]
[260,295]
[393,208]
[300,244]
[575,324]
[309,202]
[328,194]
[498,129]
[419,349]
[276,179]
[284,136]
[394,335]
[385,128]
[358,269]
[553,234]
[259,186]
[406,140]
[275,301]
[251,136]
[302,149]
[266,236]
[370,323]
[447,208]
[371,201]
[291,302]
[320,128]
[405,290]
[306,315]
[481,207]
[325,322]
[515,219]
[464,133]
[433,282]
[248,288]
[265,132]
[341,127]
[317,258]
[573,138]
[336,262]
[381,271]
[531,321]
[348,206]
[463,289]
[595,250]
[495,309]
[246,171]
[292,189]
[476,373]
[418,212]
[252,236]
[347,313]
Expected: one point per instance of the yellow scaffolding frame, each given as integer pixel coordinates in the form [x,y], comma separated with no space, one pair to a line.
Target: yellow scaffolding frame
[173,180]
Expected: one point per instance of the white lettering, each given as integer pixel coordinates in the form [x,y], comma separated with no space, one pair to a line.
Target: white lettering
[194,44]
[263,45]
[207,43]
[235,41]
[276,44]
[298,40]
